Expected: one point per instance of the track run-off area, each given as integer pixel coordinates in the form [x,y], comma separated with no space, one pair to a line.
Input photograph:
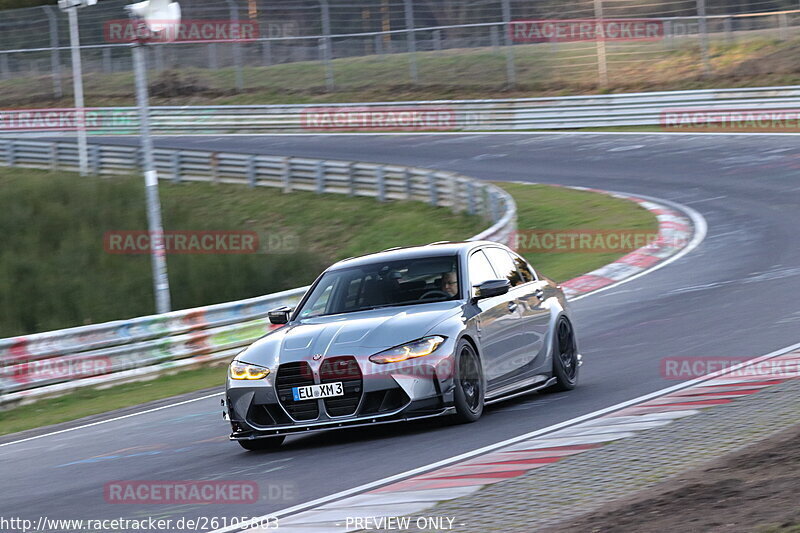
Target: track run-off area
[734,296]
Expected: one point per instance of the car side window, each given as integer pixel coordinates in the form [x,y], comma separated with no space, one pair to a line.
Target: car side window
[504,265]
[480,269]
[524,268]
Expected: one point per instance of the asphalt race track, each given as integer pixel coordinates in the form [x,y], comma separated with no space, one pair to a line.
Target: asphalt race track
[737,294]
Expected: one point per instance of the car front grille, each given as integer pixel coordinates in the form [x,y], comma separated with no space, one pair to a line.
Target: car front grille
[296,375]
[342,369]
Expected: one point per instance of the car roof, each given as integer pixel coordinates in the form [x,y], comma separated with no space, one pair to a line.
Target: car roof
[436,249]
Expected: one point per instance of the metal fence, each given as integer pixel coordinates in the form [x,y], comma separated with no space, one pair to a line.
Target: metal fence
[634,109]
[398,41]
[34,366]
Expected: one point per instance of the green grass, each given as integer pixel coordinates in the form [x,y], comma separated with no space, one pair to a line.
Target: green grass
[541,207]
[542,70]
[54,272]
[340,227]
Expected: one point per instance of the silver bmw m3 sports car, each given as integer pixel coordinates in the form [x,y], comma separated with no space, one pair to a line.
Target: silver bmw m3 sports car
[410,333]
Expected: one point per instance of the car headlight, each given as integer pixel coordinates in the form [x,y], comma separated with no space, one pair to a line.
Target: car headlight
[410,350]
[248,372]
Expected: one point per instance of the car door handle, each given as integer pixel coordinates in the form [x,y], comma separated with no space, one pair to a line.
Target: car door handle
[539,293]
[512,307]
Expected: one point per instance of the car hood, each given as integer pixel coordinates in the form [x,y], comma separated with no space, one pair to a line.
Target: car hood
[349,333]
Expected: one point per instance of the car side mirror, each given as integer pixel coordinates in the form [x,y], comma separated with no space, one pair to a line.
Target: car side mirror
[493,287]
[280,315]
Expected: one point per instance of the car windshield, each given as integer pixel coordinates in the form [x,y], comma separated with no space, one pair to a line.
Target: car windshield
[384,284]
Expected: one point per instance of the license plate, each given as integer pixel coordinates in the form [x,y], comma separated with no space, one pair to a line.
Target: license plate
[313,392]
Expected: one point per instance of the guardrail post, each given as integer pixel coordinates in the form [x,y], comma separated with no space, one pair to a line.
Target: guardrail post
[107,66]
[408,184]
[379,44]
[53,156]
[214,164]
[437,41]
[493,207]
[320,177]
[11,153]
[176,166]
[287,174]
[470,197]
[455,194]
[511,69]
[380,175]
[727,27]
[433,190]
[411,39]
[327,48]
[94,159]
[55,54]
[351,178]
[251,171]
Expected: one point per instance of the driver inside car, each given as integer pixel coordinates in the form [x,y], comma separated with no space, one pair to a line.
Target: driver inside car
[450,284]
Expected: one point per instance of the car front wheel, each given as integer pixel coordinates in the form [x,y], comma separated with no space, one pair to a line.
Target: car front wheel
[565,357]
[469,384]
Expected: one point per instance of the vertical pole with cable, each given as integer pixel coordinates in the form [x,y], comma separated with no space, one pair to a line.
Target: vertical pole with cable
[511,69]
[157,249]
[600,39]
[703,28]
[412,41]
[77,83]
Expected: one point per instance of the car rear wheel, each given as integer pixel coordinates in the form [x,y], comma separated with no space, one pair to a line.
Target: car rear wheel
[261,445]
[469,385]
[565,357]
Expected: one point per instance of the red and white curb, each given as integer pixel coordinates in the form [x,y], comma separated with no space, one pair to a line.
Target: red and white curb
[419,491]
[677,231]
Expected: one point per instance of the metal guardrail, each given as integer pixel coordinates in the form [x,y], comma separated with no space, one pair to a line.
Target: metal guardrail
[636,109]
[33,366]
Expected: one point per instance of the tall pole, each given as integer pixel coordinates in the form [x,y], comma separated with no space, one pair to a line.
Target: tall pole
[412,41]
[157,250]
[77,83]
[327,45]
[511,69]
[600,39]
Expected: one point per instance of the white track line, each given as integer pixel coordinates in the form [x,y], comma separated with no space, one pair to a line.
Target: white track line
[486,449]
[700,233]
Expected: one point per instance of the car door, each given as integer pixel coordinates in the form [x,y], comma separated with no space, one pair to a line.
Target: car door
[512,353]
[531,296]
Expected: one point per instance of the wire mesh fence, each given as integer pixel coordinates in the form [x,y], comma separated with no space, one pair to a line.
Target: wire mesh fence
[328,45]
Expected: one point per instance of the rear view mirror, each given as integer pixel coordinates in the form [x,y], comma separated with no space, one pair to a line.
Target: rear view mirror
[493,287]
[280,315]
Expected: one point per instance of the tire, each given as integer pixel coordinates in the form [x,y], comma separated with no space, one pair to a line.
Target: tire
[565,357]
[469,384]
[261,445]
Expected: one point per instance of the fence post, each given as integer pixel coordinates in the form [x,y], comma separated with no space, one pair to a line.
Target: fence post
[237,47]
[703,30]
[4,71]
[107,66]
[94,159]
[600,40]
[159,50]
[176,166]
[408,184]
[783,26]
[213,59]
[432,189]
[411,39]
[327,45]
[11,154]
[727,26]
[494,36]
[379,44]
[252,176]
[380,175]
[320,175]
[287,175]
[511,68]
[214,161]
[437,41]
[669,37]
[266,53]
[55,55]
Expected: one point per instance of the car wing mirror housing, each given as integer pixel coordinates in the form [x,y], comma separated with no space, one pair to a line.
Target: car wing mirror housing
[493,287]
[280,315]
